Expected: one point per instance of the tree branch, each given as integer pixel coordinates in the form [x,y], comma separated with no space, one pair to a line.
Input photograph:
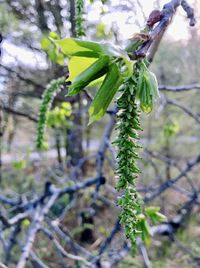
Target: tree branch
[185,109]
[179,88]
[163,187]
[156,34]
[18,113]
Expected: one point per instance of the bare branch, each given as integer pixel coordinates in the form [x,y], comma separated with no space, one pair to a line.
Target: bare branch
[156,34]
[63,252]
[185,109]
[35,225]
[143,251]
[163,187]
[18,113]
[179,88]
[190,12]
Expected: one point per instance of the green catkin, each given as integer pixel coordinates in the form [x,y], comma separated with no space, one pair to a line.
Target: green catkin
[127,142]
[51,90]
[79,20]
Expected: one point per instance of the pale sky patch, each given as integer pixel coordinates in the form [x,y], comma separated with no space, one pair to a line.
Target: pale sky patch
[177,31]
[14,55]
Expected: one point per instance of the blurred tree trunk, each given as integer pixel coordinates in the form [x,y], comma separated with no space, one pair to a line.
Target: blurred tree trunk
[1,135]
[75,134]
[42,20]
[58,147]
[47,16]
[74,149]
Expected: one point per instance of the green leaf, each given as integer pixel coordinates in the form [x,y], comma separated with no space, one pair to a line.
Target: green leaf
[101,30]
[58,116]
[21,164]
[75,47]
[26,223]
[92,75]
[53,35]
[60,59]
[94,46]
[151,210]
[52,55]
[128,64]
[67,107]
[145,229]
[154,214]
[154,85]
[45,43]
[103,48]
[77,65]
[171,129]
[160,217]
[147,92]
[105,94]
[146,232]
[113,51]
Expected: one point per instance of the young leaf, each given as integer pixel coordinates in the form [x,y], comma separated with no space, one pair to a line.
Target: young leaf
[154,214]
[144,227]
[129,68]
[151,210]
[154,85]
[75,47]
[95,70]
[113,51]
[105,93]
[45,43]
[102,48]
[77,65]
[147,91]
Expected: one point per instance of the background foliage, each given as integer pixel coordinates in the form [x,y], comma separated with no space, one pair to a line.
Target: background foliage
[74,151]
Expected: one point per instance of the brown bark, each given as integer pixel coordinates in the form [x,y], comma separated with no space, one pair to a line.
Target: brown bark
[75,134]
